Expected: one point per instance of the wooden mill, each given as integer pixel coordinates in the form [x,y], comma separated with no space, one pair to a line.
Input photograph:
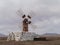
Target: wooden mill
[26,22]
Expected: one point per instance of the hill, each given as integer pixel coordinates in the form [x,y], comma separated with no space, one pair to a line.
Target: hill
[2,35]
[51,34]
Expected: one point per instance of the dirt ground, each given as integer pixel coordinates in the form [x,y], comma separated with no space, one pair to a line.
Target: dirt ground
[51,41]
[56,42]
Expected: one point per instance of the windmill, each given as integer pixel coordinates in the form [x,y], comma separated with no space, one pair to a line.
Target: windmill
[26,20]
[24,35]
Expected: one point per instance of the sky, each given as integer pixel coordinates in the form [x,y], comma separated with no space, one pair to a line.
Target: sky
[45,15]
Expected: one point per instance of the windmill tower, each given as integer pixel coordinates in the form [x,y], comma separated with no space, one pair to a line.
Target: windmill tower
[26,22]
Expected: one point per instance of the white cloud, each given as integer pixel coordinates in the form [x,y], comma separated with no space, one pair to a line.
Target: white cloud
[46,14]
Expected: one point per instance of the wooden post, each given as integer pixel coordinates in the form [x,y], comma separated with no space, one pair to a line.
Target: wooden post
[25,25]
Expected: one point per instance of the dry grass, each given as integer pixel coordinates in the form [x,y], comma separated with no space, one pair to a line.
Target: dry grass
[56,42]
[52,42]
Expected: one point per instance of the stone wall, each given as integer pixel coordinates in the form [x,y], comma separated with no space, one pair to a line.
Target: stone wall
[21,36]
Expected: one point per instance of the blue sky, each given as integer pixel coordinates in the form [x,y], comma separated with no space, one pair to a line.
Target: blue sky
[45,15]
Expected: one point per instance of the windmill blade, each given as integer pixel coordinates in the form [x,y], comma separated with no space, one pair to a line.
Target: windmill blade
[32,13]
[29,16]
[33,26]
[20,25]
[20,12]
[24,16]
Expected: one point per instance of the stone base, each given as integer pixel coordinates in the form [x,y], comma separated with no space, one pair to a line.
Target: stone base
[21,36]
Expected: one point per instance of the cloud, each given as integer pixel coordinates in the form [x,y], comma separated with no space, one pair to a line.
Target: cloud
[48,25]
[46,15]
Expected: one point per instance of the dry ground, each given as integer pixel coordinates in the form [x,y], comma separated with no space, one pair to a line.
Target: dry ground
[51,42]
[56,42]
